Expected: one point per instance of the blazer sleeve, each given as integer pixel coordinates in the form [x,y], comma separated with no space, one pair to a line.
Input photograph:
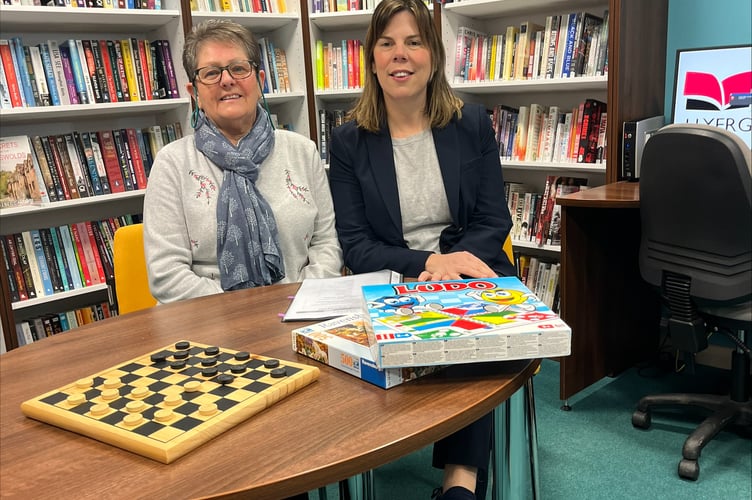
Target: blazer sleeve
[370,240]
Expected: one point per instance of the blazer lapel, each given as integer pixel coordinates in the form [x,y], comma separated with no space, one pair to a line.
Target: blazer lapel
[448,151]
[381,162]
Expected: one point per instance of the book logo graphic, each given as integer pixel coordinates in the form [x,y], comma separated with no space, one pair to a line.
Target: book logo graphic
[704,91]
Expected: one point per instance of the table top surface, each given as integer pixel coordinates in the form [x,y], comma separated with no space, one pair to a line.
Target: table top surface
[335,428]
[623,194]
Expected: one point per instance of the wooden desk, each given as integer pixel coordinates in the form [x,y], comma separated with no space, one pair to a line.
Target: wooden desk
[612,311]
[337,427]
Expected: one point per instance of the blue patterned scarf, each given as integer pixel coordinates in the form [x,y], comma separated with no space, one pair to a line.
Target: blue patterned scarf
[248,250]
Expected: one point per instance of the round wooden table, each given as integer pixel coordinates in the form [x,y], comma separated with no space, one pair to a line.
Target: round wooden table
[333,429]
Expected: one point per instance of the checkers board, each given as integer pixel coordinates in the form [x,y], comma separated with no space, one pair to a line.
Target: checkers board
[168,402]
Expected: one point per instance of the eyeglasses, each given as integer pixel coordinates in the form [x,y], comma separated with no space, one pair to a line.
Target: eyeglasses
[240,70]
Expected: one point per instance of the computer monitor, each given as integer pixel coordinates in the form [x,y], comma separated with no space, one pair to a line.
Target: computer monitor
[713,86]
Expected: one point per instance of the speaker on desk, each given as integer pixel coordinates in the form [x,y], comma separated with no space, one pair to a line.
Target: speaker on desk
[635,134]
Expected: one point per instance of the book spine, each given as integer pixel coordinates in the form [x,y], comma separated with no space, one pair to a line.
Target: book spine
[111,161]
[51,260]
[171,78]
[124,160]
[91,140]
[87,72]
[71,256]
[104,255]
[69,49]
[5,101]
[145,69]
[70,156]
[84,255]
[45,73]
[146,153]
[32,289]
[95,255]
[130,69]
[70,78]
[12,284]
[51,51]
[9,246]
[33,77]
[60,260]
[138,162]
[38,262]
[118,70]
[113,86]
[22,72]
[138,68]
[10,75]
[92,46]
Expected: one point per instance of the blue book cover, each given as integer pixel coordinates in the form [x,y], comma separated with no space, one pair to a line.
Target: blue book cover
[62,262]
[19,65]
[44,271]
[70,256]
[69,47]
[569,47]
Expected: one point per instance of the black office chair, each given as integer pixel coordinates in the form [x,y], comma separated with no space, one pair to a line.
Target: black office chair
[696,249]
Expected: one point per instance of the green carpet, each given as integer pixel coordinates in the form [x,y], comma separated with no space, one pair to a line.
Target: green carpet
[593,452]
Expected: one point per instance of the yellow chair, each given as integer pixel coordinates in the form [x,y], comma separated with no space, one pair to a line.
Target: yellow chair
[131,281]
[509,249]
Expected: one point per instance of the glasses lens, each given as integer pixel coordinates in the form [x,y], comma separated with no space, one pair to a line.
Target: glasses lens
[213,74]
[240,70]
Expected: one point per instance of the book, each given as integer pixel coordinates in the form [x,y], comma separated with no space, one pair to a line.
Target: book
[130,69]
[78,164]
[22,72]
[587,151]
[460,321]
[118,69]
[94,84]
[68,71]
[55,166]
[125,160]
[15,272]
[86,249]
[23,259]
[19,182]
[69,50]
[5,101]
[129,134]
[13,290]
[171,78]
[11,78]
[583,38]
[111,160]
[51,51]
[38,263]
[326,298]
[71,257]
[60,147]
[342,343]
[48,249]
[44,76]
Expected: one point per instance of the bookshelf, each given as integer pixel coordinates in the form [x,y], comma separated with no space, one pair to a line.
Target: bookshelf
[38,24]
[284,30]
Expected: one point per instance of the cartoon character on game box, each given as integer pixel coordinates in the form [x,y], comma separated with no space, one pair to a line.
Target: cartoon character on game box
[404,305]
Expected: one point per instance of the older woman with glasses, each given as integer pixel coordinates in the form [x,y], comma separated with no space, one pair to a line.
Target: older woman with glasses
[237,204]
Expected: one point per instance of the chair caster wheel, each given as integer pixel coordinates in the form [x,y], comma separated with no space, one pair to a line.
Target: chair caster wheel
[689,469]
[641,419]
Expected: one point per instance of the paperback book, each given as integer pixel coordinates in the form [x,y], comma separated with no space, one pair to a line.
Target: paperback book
[460,321]
[20,180]
[342,343]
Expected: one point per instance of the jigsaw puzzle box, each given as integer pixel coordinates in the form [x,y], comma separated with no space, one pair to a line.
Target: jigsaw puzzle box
[342,343]
[460,321]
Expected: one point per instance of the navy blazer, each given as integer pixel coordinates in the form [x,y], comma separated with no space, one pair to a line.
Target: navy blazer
[366,201]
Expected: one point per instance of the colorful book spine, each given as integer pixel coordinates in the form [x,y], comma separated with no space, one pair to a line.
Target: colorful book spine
[71,256]
[22,73]
[38,262]
[46,82]
[10,75]
[33,289]
[70,49]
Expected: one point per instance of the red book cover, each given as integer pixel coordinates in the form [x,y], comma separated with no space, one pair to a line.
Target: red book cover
[116,59]
[145,69]
[138,161]
[89,256]
[98,258]
[82,260]
[10,74]
[111,162]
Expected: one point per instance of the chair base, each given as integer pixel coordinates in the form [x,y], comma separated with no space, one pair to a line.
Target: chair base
[726,413]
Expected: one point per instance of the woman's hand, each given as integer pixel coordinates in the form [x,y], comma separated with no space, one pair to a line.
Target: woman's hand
[452,266]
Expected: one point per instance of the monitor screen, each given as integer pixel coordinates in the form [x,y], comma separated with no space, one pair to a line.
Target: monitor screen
[713,86]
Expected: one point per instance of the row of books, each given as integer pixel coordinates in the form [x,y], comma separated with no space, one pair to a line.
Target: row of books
[274,64]
[535,216]
[35,329]
[567,46]
[46,261]
[83,71]
[92,4]
[42,169]
[251,6]
[340,65]
[328,119]
[541,276]
[552,133]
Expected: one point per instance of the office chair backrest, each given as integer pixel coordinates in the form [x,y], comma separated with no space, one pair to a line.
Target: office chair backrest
[131,279]
[696,211]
